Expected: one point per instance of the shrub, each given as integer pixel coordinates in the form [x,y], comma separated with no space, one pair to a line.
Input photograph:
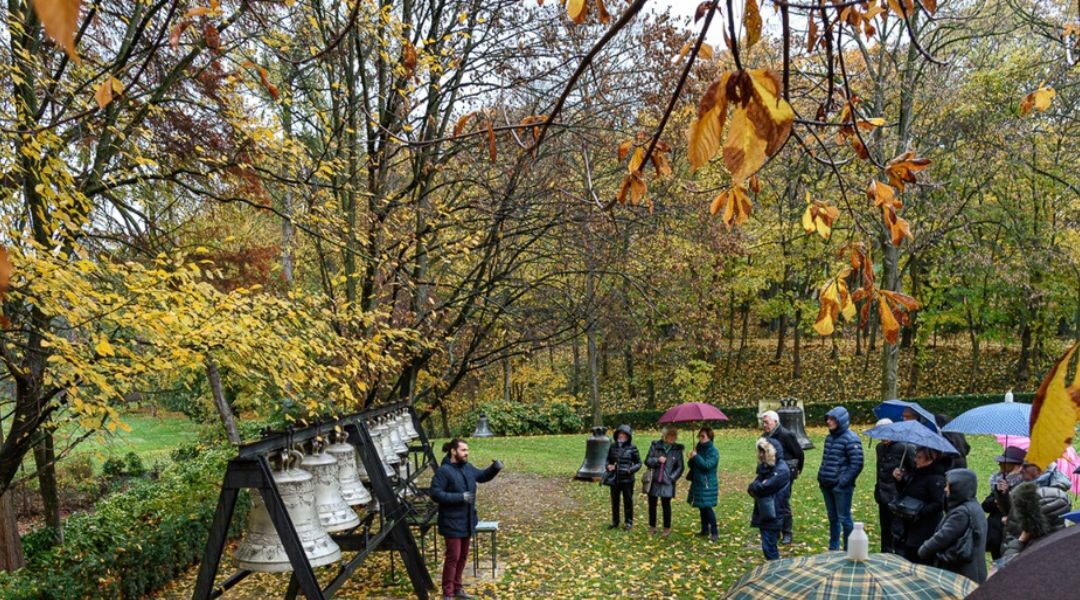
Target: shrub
[113,468]
[133,543]
[134,465]
[517,418]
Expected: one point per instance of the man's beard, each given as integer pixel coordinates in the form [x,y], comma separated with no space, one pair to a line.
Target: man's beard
[463,459]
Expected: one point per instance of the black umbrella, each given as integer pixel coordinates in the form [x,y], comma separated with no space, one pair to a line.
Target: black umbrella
[1042,570]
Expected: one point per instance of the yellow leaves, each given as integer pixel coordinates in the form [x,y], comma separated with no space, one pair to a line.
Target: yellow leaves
[884,197]
[744,152]
[752,23]
[109,87]
[462,121]
[849,127]
[1054,412]
[60,18]
[104,348]
[894,310]
[819,216]
[577,10]
[1039,99]
[409,58]
[636,160]
[735,204]
[633,188]
[902,169]
[704,134]
[705,51]
[902,8]
[491,140]
[835,301]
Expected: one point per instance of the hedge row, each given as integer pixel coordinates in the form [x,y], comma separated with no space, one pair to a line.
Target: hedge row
[133,542]
[861,411]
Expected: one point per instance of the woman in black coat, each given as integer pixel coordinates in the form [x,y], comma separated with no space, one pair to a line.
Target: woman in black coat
[965,515]
[665,458]
[623,460]
[925,483]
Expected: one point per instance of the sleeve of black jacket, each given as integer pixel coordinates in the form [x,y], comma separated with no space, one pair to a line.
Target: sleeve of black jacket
[439,492]
[485,475]
[635,460]
[946,535]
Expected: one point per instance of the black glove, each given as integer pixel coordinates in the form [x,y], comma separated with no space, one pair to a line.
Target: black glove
[469,497]
[497,465]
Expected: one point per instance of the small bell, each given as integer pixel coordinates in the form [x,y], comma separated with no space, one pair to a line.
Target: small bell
[482,428]
[352,489]
[261,549]
[389,453]
[409,429]
[334,513]
[396,442]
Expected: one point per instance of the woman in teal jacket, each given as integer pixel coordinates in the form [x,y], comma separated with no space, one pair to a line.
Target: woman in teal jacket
[703,485]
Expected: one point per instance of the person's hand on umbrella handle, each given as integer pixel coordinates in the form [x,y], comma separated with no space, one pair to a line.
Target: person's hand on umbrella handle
[1002,485]
[662,460]
[611,467]
[898,473]
[1024,537]
[693,453]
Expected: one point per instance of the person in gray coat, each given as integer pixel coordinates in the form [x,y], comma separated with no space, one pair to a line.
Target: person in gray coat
[965,513]
[665,458]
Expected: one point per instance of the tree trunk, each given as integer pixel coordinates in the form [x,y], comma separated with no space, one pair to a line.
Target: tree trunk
[506,380]
[973,335]
[628,358]
[780,339]
[796,362]
[731,336]
[45,461]
[603,360]
[890,353]
[11,553]
[445,420]
[1023,365]
[745,329]
[228,420]
[575,376]
[590,351]
[650,393]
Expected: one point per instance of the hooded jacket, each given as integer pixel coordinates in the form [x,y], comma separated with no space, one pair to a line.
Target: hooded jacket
[664,477]
[964,513]
[704,487]
[624,455]
[773,475]
[842,457]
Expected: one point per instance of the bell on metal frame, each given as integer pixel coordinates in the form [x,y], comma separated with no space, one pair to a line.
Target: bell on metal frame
[409,429]
[352,489]
[377,447]
[396,440]
[596,449]
[261,549]
[334,513]
[482,428]
[389,453]
[793,419]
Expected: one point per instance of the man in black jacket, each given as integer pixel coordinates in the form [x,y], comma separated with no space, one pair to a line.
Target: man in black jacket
[793,456]
[453,488]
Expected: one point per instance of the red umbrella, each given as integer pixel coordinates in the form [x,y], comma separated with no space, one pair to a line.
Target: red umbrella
[693,411]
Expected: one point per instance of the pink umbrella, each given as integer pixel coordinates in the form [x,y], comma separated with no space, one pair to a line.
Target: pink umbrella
[1066,464]
[693,411]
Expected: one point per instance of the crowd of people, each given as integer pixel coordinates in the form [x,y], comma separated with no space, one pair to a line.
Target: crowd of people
[927,501]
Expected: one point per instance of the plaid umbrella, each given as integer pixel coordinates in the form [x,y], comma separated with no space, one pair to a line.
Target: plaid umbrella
[834,575]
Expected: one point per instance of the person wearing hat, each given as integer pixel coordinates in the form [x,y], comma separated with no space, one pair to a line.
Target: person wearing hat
[996,505]
[793,457]
[890,455]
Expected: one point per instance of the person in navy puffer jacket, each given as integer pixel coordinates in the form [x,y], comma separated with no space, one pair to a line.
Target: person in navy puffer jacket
[841,463]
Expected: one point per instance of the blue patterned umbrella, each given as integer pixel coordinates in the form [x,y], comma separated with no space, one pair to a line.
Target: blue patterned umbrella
[911,432]
[894,411]
[1001,418]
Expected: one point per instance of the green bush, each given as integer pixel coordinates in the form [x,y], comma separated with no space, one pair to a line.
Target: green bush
[134,465]
[517,418]
[861,411]
[113,468]
[133,543]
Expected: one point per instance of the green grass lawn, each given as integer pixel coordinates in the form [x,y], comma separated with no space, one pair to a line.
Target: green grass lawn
[559,546]
[151,437]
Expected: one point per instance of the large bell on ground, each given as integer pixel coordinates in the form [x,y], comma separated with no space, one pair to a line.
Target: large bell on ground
[482,428]
[334,513]
[596,449]
[793,419]
[409,429]
[352,489]
[261,549]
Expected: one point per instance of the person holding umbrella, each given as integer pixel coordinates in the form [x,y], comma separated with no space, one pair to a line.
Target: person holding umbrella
[1009,475]
[665,458]
[704,487]
[920,505]
[841,463]
[890,456]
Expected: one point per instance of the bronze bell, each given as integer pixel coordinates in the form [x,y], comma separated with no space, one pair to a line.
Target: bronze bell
[793,419]
[352,489]
[483,430]
[334,513]
[261,549]
[596,449]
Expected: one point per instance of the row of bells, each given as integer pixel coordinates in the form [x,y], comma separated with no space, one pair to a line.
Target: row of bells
[319,491]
